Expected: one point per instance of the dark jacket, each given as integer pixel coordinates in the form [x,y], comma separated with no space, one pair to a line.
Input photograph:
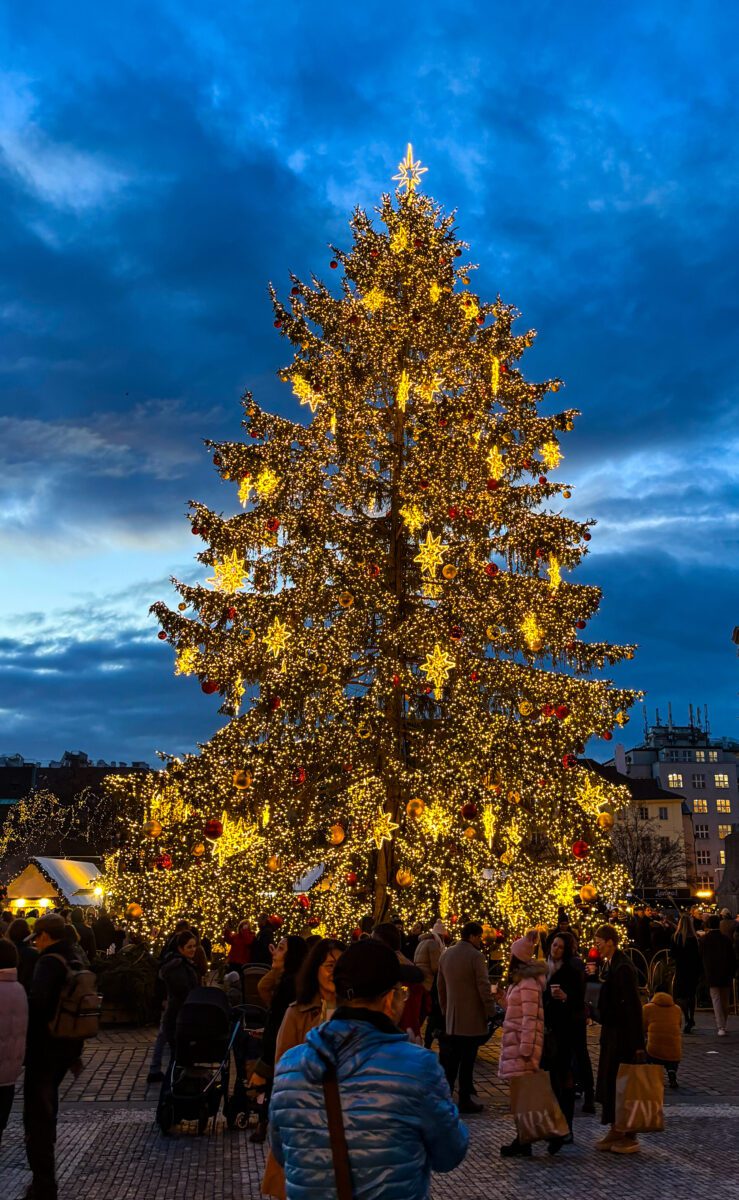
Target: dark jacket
[27,959]
[87,939]
[49,977]
[622,1033]
[179,978]
[260,948]
[283,997]
[718,958]
[104,931]
[688,967]
[563,1018]
[399,1118]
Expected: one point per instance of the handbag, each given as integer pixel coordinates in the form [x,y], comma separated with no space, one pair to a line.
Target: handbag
[640,1097]
[535,1109]
[337,1135]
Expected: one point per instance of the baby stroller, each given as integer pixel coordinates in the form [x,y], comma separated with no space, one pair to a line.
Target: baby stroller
[247,1047]
[197,1079]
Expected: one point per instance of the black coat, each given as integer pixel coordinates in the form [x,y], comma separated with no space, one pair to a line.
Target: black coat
[179,978]
[87,940]
[27,959]
[688,967]
[621,1034]
[563,1018]
[260,952]
[718,958]
[49,977]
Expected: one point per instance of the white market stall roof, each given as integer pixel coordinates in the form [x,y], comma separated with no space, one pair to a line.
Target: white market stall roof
[48,877]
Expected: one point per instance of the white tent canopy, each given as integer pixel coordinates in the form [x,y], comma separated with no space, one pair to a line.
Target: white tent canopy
[55,879]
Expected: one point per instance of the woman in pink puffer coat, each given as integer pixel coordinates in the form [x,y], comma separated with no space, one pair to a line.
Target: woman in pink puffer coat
[13,1025]
[523,1026]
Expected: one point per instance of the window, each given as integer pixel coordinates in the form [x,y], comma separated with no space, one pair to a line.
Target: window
[699,780]
[703,858]
[674,780]
[700,805]
[663,814]
[705,881]
[701,833]
[700,756]
[644,812]
[724,831]
[713,755]
[723,804]
[721,779]
[722,858]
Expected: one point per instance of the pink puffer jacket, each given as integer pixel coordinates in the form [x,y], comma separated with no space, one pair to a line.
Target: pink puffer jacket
[13,1025]
[523,1027]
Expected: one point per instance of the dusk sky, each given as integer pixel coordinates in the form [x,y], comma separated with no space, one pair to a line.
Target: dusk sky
[160,163]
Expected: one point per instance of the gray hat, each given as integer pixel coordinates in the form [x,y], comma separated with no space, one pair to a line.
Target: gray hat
[53,925]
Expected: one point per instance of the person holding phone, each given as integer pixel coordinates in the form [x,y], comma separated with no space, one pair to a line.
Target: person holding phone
[564,1021]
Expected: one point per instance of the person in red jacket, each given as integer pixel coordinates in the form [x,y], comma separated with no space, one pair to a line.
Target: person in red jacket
[239,943]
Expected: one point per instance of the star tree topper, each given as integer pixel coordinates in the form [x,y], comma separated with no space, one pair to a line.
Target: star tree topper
[409,172]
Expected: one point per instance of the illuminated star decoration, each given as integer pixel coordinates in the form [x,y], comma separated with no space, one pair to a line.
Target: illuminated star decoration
[399,240]
[267,483]
[374,299]
[412,516]
[591,796]
[230,574]
[555,573]
[434,292]
[409,172]
[496,463]
[404,387]
[382,829]
[277,637]
[532,632]
[237,837]
[186,662]
[552,455]
[431,555]
[305,393]
[437,667]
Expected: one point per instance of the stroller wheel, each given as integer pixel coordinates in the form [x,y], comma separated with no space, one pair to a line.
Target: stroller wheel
[165,1116]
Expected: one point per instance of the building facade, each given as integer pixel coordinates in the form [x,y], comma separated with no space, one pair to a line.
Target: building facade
[703,769]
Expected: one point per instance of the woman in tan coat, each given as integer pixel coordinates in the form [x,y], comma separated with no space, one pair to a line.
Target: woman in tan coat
[662,1020]
[315,1002]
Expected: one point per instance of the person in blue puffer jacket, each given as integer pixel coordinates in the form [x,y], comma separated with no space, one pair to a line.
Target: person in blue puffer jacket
[399,1118]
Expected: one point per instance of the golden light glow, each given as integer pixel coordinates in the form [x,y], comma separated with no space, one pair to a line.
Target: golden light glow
[187,660]
[277,637]
[552,455]
[437,668]
[495,375]
[374,299]
[431,554]
[404,387]
[266,483]
[555,573]
[496,463]
[409,172]
[399,240]
[383,828]
[532,631]
[413,517]
[230,574]
[305,393]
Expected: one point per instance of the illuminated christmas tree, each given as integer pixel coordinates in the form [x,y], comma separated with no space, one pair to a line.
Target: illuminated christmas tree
[390,624]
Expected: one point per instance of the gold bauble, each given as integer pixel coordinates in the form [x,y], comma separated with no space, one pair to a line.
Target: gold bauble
[322,670]
[346,600]
[198,850]
[152,829]
[622,718]
[134,911]
[605,820]
[242,779]
[273,863]
[403,878]
[537,645]
[567,494]
[249,636]
[363,730]
[415,807]
[449,571]
[469,833]
[337,834]
[514,797]
[182,606]
[588,893]
[525,708]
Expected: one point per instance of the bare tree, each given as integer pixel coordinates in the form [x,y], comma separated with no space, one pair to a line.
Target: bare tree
[651,859]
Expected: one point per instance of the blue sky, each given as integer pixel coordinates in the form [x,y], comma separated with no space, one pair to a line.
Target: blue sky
[160,162]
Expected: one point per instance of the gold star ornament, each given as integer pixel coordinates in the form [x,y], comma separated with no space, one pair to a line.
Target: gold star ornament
[229,575]
[431,554]
[409,172]
[277,638]
[437,667]
[382,828]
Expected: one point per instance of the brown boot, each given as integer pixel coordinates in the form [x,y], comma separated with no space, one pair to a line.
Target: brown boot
[609,1141]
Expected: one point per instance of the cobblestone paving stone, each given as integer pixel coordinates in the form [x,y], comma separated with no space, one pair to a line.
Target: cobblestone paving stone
[110,1149]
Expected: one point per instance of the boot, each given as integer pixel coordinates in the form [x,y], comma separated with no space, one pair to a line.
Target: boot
[259,1134]
[672,1078]
[609,1141]
[516,1149]
[588,1104]
[470,1106]
[628,1143]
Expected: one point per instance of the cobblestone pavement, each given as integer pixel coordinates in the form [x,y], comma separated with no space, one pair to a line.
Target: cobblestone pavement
[110,1149]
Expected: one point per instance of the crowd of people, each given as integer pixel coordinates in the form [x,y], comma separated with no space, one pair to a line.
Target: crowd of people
[348,1027]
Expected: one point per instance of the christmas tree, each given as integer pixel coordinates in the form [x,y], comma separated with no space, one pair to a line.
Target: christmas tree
[390,624]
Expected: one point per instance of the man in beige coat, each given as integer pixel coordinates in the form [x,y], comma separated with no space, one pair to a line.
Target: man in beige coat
[466,1002]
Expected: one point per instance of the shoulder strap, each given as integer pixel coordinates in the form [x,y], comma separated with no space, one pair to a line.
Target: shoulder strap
[337,1136]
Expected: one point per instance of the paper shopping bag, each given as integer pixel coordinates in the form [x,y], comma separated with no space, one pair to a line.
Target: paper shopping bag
[640,1098]
[535,1108]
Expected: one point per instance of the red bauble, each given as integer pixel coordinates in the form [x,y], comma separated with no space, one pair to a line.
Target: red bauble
[539,552]
[453,513]
[480,320]
[275,921]
[304,902]
[469,811]
[492,570]
[423,484]
[547,710]
[373,570]
[351,878]
[454,918]
[313,922]
[163,862]
[503,369]
[396,680]
[232,614]
[209,686]
[417,243]
[217,460]
[195,530]
[457,253]
[428,690]
[580,849]
[474,677]
[300,775]
[561,711]
[213,828]
[442,422]
[278,324]
[294,291]
[162,636]
[273,524]
[526,464]
[542,479]
[275,703]
[586,537]
[333,264]
[569,760]
[456,633]
[493,485]
[607,736]
[347,766]
[469,513]
[374,253]
[580,624]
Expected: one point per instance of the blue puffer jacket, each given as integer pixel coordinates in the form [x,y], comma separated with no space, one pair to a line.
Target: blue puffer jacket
[399,1117]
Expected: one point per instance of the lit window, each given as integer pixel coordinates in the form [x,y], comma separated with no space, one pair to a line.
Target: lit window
[722,858]
[701,833]
[699,780]
[713,755]
[723,804]
[721,779]
[724,831]
[663,814]
[700,756]
[703,858]
[700,805]
[644,812]
[674,779]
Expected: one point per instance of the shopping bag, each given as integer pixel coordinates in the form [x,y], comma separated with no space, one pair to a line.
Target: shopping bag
[535,1108]
[640,1098]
